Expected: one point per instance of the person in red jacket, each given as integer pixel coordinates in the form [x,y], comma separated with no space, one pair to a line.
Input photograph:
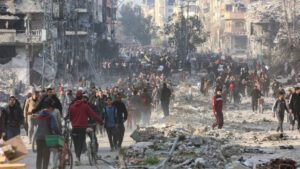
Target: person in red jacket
[79,113]
[231,90]
[217,105]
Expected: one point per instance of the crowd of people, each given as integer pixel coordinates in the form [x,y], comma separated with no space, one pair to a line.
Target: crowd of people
[140,89]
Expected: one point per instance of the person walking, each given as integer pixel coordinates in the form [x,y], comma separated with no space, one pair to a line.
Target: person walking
[24,103]
[295,105]
[79,113]
[165,99]
[135,104]
[52,95]
[13,118]
[30,104]
[291,117]
[146,107]
[278,109]
[110,123]
[46,125]
[122,115]
[255,95]
[217,104]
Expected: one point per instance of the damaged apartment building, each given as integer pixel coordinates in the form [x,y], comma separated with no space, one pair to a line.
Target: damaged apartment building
[225,20]
[273,30]
[42,40]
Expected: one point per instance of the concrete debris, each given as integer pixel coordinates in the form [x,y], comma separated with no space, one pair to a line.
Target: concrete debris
[237,166]
[278,163]
[144,134]
[179,148]
[275,137]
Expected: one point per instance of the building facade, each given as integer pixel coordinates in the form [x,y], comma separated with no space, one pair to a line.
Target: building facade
[61,34]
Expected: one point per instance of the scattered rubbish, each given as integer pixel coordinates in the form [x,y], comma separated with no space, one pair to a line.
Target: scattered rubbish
[290,147]
[278,163]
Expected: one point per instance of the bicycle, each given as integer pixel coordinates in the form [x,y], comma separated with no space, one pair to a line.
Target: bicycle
[64,156]
[92,149]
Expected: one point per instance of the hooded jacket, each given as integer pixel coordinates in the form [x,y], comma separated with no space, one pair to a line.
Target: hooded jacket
[47,125]
[217,104]
[80,112]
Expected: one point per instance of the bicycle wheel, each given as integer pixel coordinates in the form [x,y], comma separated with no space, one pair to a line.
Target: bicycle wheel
[68,161]
[91,154]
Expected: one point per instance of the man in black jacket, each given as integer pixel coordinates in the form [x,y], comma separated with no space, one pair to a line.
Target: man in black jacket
[121,118]
[13,118]
[165,99]
[295,105]
[50,94]
[256,94]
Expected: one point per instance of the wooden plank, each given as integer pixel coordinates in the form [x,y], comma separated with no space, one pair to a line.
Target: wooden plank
[12,166]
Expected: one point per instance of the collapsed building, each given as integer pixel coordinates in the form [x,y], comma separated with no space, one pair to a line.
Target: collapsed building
[45,40]
[20,33]
[273,30]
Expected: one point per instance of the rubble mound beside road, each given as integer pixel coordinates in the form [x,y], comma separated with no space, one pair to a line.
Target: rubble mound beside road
[179,148]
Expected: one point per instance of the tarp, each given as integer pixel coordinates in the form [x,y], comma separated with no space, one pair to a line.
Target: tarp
[50,68]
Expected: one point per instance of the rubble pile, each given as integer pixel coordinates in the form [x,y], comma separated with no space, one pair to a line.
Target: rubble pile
[278,163]
[179,148]
[257,11]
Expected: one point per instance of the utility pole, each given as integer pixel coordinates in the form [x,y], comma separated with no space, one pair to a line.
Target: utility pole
[187,27]
[46,24]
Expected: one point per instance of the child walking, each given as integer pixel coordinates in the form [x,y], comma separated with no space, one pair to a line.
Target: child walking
[278,109]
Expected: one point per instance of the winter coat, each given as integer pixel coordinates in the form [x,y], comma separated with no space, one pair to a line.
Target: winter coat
[256,94]
[165,95]
[217,104]
[121,112]
[46,125]
[13,116]
[295,103]
[80,112]
[30,104]
[110,116]
[41,104]
[280,106]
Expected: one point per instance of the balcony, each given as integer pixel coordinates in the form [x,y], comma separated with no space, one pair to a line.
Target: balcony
[234,15]
[35,37]
[74,33]
[81,10]
[7,36]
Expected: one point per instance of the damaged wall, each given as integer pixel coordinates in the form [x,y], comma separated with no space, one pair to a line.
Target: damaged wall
[18,66]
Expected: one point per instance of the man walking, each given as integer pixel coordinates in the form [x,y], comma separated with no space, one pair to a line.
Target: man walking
[13,118]
[79,113]
[146,107]
[217,105]
[256,94]
[52,95]
[295,105]
[110,122]
[121,118]
[165,99]
[30,104]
